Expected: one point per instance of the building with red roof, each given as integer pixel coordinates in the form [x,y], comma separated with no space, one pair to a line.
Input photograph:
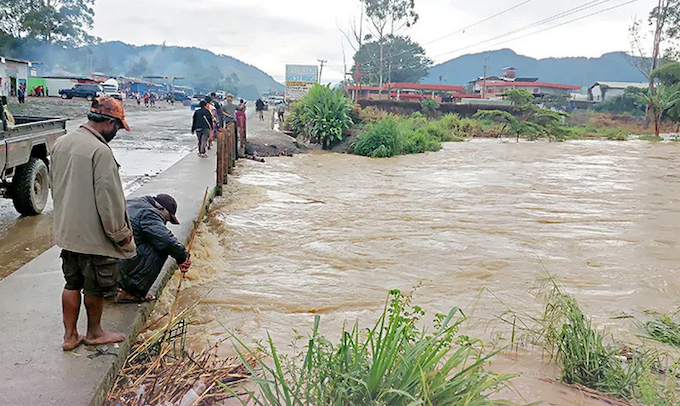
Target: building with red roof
[493,87]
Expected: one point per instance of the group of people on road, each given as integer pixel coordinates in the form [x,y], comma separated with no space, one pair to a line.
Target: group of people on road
[280,110]
[110,247]
[211,117]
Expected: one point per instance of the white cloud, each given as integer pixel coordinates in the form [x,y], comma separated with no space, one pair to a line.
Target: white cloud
[272,33]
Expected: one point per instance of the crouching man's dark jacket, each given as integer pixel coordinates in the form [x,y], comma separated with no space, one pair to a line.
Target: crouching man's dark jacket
[154,244]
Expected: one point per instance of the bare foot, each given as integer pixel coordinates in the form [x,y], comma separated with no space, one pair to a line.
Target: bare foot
[72,342]
[106,337]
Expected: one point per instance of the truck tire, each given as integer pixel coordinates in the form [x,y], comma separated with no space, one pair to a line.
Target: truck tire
[90,97]
[64,96]
[30,187]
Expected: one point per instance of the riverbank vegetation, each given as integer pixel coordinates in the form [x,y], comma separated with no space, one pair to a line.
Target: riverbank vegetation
[590,358]
[395,362]
[328,118]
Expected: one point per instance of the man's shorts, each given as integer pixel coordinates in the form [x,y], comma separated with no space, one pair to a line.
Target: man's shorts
[93,274]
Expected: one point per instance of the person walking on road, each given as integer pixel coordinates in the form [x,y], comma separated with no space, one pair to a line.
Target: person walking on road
[90,220]
[202,126]
[282,112]
[259,107]
[155,243]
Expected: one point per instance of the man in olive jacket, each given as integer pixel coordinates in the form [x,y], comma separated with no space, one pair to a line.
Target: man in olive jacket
[155,243]
[90,219]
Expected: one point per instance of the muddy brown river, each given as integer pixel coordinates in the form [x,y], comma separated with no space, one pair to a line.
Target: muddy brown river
[475,225]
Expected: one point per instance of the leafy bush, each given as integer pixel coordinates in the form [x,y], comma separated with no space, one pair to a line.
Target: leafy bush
[380,140]
[429,105]
[394,135]
[393,363]
[323,115]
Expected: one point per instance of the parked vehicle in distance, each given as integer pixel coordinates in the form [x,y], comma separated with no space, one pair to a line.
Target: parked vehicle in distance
[195,100]
[24,164]
[84,90]
[179,96]
[110,90]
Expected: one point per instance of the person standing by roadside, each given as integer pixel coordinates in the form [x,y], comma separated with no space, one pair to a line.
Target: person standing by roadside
[21,94]
[202,125]
[91,223]
[259,107]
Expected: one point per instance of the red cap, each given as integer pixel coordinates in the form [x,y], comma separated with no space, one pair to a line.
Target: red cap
[110,107]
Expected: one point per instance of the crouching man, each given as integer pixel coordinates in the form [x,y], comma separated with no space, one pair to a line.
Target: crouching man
[155,243]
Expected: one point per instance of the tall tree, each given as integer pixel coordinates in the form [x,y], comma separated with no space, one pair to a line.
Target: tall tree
[406,60]
[388,18]
[665,21]
[63,22]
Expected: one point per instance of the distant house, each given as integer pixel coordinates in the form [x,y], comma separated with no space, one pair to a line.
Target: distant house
[13,73]
[493,87]
[605,91]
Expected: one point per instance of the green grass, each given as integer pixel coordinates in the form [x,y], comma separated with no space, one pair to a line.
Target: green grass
[663,329]
[582,354]
[652,138]
[393,362]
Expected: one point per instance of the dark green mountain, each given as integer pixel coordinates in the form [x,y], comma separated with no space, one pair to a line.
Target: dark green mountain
[578,71]
[201,68]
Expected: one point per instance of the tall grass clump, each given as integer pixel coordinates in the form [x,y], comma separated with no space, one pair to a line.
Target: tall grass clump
[663,329]
[581,353]
[393,362]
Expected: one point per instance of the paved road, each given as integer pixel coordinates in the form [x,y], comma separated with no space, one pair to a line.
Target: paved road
[158,139]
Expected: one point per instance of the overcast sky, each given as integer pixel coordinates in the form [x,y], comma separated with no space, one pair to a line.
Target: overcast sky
[272,33]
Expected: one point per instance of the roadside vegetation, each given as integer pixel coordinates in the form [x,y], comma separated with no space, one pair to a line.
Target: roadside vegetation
[394,362]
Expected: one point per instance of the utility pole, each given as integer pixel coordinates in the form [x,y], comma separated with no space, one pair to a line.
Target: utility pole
[486,66]
[322,62]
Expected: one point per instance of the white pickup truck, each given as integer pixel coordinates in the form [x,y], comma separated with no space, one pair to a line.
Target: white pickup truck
[24,163]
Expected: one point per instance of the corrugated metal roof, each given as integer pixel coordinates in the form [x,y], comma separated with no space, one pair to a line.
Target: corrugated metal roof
[622,85]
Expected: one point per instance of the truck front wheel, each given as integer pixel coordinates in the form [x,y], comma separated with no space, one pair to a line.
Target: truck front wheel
[30,187]
[90,97]
[64,96]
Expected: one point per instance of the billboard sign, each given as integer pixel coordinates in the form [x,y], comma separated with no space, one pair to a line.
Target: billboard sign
[299,79]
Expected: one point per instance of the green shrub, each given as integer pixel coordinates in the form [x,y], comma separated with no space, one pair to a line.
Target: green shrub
[429,105]
[450,122]
[380,140]
[393,362]
[419,142]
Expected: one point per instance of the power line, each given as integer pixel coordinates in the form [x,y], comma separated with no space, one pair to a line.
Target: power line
[554,17]
[462,30]
[542,30]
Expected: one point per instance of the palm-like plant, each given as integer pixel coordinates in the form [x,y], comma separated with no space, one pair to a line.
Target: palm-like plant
[323,115]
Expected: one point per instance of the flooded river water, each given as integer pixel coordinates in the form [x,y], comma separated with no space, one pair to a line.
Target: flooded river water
[475,225]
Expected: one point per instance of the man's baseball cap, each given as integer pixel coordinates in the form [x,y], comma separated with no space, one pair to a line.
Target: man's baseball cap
[169,203]
[110,107]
